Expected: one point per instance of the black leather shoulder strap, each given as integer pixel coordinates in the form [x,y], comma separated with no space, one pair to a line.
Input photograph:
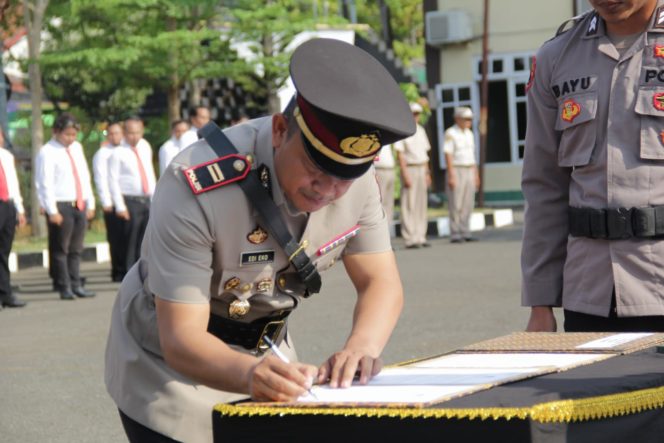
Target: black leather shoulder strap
[261,200]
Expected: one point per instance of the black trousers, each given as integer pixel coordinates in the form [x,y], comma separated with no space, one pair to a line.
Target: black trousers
[578,322]
[67,244]
[133,230]
[7,230]
[114,236]
[137,433]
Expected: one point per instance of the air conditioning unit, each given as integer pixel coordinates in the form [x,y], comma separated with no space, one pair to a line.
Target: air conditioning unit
[447,27]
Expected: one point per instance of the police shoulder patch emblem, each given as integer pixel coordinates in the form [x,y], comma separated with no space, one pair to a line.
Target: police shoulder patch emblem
[216,173]
[658,101]
[570,110]
[658,51]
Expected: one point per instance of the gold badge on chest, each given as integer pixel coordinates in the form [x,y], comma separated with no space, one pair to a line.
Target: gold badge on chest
[231,283]
[238,308]
[257,236]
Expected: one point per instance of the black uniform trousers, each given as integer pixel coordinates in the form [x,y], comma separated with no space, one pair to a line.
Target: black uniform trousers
[7,230]
[114,236]
[67,243]
[133,229]
[579,322]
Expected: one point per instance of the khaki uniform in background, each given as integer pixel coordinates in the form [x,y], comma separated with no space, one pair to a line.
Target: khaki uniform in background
[193,252]
[594,139]
[384,165]
[460,143]
[415,150]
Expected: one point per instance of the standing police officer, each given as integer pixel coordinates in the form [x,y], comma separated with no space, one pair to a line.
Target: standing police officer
[219,271]
[593,172]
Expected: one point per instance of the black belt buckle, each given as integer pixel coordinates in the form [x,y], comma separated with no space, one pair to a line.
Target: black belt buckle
[643,222]
[619,223]
[271,330]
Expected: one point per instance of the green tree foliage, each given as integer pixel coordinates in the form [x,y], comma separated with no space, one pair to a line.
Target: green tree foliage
[406,19]
[106,56]
[269,27]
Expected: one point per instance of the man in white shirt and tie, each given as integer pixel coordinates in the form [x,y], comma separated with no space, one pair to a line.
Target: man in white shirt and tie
[100,163]
[132,183]
[173,145]
[63,181]
[199,116]
[11,212]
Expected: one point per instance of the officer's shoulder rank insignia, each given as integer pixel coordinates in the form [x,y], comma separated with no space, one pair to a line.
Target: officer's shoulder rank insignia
[218,172]
[257,236]
[338,240]
[570,110]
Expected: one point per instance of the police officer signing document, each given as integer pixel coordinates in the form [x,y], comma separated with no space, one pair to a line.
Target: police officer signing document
[593,173]
[236,240]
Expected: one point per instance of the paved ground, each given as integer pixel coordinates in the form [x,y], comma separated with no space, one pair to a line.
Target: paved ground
[51,352]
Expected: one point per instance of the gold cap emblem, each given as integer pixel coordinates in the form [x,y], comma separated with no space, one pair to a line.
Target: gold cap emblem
[238,308]
[360,146]
[257,236]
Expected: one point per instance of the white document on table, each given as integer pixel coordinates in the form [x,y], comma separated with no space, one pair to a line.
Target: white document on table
[614,340]
[448,376]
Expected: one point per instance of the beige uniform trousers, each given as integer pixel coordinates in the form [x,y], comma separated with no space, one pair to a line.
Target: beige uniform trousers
[385,178]
[414,206]
[461,201]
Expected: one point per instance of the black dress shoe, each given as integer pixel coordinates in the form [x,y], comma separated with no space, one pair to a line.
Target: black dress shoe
[66,294]
[83,293]
[456,240]
[426,244]
[412,246]
[13,303]
[471,239]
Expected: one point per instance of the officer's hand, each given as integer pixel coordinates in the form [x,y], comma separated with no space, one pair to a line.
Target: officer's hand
[124,215]
[107,209]
[90,214]
[20,218]
[541,320]
[274,380]
[341,368]
[55,219]
[428,179]
[406,181]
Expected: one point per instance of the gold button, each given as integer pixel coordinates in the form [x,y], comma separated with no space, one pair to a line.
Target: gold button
[238,165]
[238,308]
[245,287]
[282,282]
[250,158]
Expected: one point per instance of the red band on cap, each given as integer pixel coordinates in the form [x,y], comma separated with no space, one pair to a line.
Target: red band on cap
[318,129]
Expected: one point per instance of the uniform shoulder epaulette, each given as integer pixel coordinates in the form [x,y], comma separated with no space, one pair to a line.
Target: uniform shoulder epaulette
[572,22]
[218,172]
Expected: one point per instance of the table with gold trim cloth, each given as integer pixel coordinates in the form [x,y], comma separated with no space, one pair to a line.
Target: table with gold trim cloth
[620,399]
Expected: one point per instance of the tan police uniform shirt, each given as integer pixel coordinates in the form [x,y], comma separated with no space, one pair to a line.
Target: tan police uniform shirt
[460,144]
[192,248]
[594,139]
[415,148]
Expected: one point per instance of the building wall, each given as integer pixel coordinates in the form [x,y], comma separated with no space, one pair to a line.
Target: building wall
[515,27]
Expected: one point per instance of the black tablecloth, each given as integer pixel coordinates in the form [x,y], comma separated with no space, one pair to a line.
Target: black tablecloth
[616,400]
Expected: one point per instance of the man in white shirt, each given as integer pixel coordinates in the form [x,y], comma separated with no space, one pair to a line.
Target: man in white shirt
[413,155]
[462,175]
[63,180]
[199,116]
[132,183]
[173,145]
[11,212]
[100,163]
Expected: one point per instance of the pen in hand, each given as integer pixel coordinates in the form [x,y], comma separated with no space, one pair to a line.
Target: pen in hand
[280,355]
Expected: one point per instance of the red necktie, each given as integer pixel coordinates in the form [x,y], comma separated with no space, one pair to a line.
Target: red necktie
[4,190]
[80,204]
[141,170]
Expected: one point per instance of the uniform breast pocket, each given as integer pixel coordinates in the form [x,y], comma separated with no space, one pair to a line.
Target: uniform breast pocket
[576,121]
[650,106]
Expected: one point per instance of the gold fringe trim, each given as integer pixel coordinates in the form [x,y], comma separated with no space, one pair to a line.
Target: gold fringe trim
[566,411]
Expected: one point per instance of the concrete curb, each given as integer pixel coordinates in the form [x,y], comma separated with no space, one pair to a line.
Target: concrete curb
[438,227]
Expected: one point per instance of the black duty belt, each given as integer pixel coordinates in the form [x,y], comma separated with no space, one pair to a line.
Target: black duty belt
[617,223]
[261,200]
[248,335]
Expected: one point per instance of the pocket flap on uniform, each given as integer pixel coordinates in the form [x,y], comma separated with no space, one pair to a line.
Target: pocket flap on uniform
[576,109]
[650,101]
